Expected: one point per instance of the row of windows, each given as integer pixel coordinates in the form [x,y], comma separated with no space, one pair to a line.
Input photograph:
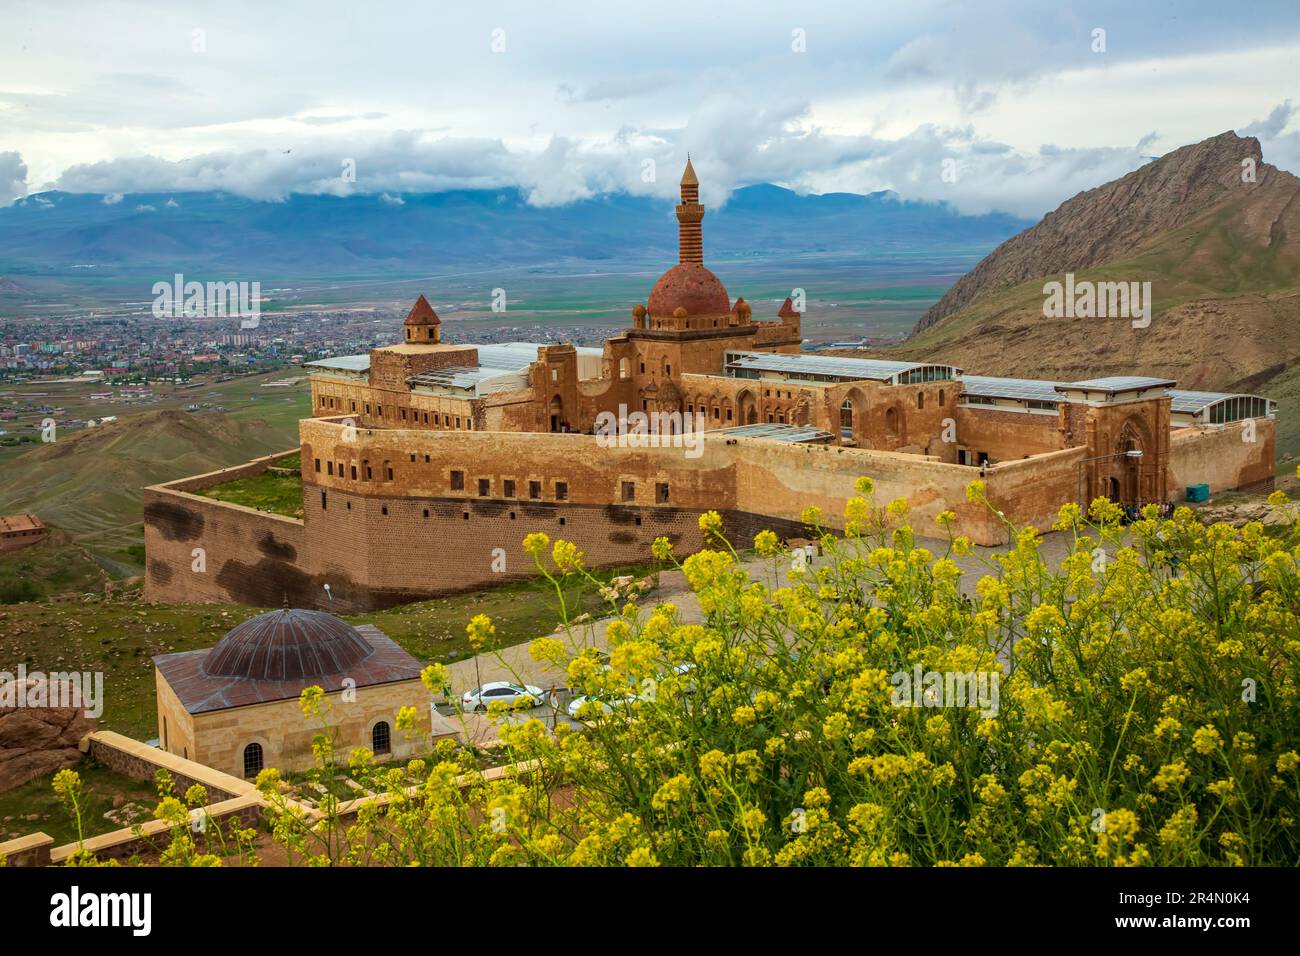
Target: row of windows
[1235,409]
[926,373]
[456,481]
[509,488]
[366,473]
[624,365]
[381,742]
[416,417]
[660,490]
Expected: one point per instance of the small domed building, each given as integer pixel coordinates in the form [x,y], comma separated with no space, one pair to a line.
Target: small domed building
[234,707]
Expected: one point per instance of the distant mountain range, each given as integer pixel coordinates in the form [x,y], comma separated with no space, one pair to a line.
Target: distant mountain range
[1212,227]
[52,233]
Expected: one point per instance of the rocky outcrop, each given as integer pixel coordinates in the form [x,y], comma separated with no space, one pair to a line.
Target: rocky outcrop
[36,741]
[1108,223]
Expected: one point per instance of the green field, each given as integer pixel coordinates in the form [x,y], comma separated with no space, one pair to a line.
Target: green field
[119,634]
[34,807]
[55,566]
[89,482]
[274,491]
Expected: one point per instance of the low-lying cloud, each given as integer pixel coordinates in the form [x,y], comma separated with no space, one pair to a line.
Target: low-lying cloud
[731,148]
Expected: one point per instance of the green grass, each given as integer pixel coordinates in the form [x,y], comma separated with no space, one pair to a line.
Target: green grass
[270,491]
[119,634]
[52,567]
[88,483]
[434,630]
[33,807]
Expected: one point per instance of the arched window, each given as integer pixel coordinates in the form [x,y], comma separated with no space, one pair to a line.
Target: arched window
[252,760]
[381,738]
[891,422]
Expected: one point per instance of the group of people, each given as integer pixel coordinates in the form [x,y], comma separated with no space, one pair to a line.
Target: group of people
[1134,512]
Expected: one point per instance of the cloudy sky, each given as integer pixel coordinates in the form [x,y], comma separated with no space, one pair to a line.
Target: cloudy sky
[1021,103]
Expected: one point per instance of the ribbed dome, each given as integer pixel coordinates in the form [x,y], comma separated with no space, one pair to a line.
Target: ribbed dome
[287,645]
[689,286]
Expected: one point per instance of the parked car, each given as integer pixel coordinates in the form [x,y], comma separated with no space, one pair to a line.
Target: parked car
[506,692]
[608,703]
[605,706]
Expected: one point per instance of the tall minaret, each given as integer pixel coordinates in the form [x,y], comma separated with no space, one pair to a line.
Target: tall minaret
[690,238]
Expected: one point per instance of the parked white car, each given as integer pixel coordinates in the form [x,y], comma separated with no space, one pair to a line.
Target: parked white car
[501,691]
[599,708]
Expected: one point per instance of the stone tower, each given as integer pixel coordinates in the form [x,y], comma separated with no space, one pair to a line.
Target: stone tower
[690,239]
[422,324]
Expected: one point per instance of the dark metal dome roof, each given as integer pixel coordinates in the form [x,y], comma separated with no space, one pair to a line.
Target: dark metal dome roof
[287,645]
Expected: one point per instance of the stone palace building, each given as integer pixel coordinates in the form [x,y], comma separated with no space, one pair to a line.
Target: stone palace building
[426,462]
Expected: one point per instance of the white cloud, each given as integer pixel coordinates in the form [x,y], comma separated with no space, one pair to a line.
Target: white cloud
[13,178]
[885,92]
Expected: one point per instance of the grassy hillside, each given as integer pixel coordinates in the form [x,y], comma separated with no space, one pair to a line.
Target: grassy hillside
[89,483]
[55,566]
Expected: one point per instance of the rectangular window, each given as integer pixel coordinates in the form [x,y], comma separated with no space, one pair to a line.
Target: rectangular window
[484,487]
[629,491]
[317,466]
[661,492]
[389,471]
[458,481]
[322,501]
[535,490]
[354,471]
[330,470]
[561,491]
[508,487]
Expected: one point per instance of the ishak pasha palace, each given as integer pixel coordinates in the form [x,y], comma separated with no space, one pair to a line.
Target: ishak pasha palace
[425,457]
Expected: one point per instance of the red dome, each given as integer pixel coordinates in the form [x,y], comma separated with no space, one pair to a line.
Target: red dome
[689,286]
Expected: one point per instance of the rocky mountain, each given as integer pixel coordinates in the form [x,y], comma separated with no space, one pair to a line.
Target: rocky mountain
[1220,250]
[1109,223]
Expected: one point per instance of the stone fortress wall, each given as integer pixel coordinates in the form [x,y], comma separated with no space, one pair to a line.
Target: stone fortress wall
[418,482]
[419,528]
